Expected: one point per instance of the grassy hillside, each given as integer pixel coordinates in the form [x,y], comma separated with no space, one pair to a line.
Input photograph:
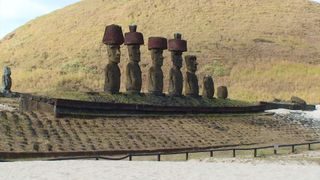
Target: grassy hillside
[260,49]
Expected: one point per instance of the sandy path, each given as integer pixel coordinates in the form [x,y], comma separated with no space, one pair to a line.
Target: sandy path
[257,170]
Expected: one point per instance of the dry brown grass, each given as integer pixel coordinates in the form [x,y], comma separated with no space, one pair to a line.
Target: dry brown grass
[260,49]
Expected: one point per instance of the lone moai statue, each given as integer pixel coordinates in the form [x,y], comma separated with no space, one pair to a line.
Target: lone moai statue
[133,40]
[208,87]
[113,38]
[222,92]
[156,45]
[191,86]
[177,46]
[6,81]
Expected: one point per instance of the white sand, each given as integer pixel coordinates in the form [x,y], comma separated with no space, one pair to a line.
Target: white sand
[123,170]
[5,107]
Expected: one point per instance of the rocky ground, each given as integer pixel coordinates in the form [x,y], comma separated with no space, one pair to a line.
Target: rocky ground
[35,131]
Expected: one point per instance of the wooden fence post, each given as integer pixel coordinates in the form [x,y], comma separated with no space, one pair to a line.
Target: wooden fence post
[255,152]
[187,156]
[234,152]
[211,153]
[275,147]
[292,150]
[159,157]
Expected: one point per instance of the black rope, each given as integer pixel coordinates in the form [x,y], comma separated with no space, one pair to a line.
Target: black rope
[114,159]
[89,157]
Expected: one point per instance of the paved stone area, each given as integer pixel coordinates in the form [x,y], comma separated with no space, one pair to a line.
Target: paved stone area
[41,132]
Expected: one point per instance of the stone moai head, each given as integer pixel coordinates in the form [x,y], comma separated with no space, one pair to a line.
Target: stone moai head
[133,40]
[6,71]
[134,53]
[156,45]
[177,46]
[114,53]
[113,38]
[191,62]
[176,57]
[208,87]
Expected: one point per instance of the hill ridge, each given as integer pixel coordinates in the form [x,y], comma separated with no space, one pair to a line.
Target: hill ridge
[63,49]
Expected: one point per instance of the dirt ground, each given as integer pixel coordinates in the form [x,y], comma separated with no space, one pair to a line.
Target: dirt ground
[42,132]
[34,131]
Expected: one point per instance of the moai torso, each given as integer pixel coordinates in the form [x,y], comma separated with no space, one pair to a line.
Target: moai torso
[6,80]
[176,82]
[191,80]
[155,81]
[175,75]
[208,87]
[134,81]
[112,78]
[191,85]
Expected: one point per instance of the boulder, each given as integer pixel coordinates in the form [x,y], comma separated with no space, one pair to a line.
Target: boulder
[297,100]
[222,92]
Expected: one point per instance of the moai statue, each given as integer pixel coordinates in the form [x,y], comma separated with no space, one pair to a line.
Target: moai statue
[156,45]
[191,86]
[6,81]
[177,46]
[222,92]
[133,40]
[208,87]
[113,38]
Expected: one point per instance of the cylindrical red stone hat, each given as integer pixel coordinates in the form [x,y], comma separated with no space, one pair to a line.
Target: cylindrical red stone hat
[113,35]
[177,44]
[157,43]
[133,37]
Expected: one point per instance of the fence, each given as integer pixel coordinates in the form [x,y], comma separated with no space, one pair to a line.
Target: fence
[130,155]
[234,150]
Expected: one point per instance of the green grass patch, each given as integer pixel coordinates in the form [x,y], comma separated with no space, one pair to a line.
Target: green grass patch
[144,99]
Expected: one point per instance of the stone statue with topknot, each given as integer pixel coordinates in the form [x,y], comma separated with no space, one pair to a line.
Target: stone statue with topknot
[113,38]
[133,40]
[176,46]
[156,45]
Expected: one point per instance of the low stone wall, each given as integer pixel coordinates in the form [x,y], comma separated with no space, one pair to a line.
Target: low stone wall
[29,103]
[64,107]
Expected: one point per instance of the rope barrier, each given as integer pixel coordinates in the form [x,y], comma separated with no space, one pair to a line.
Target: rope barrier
[90,157]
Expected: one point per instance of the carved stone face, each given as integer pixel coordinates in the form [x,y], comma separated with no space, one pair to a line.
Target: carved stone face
[134,53]
[157,57]
[176,57]
[114,53]
[192,64]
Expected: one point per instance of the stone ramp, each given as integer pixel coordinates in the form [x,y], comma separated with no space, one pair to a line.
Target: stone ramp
[41,132]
